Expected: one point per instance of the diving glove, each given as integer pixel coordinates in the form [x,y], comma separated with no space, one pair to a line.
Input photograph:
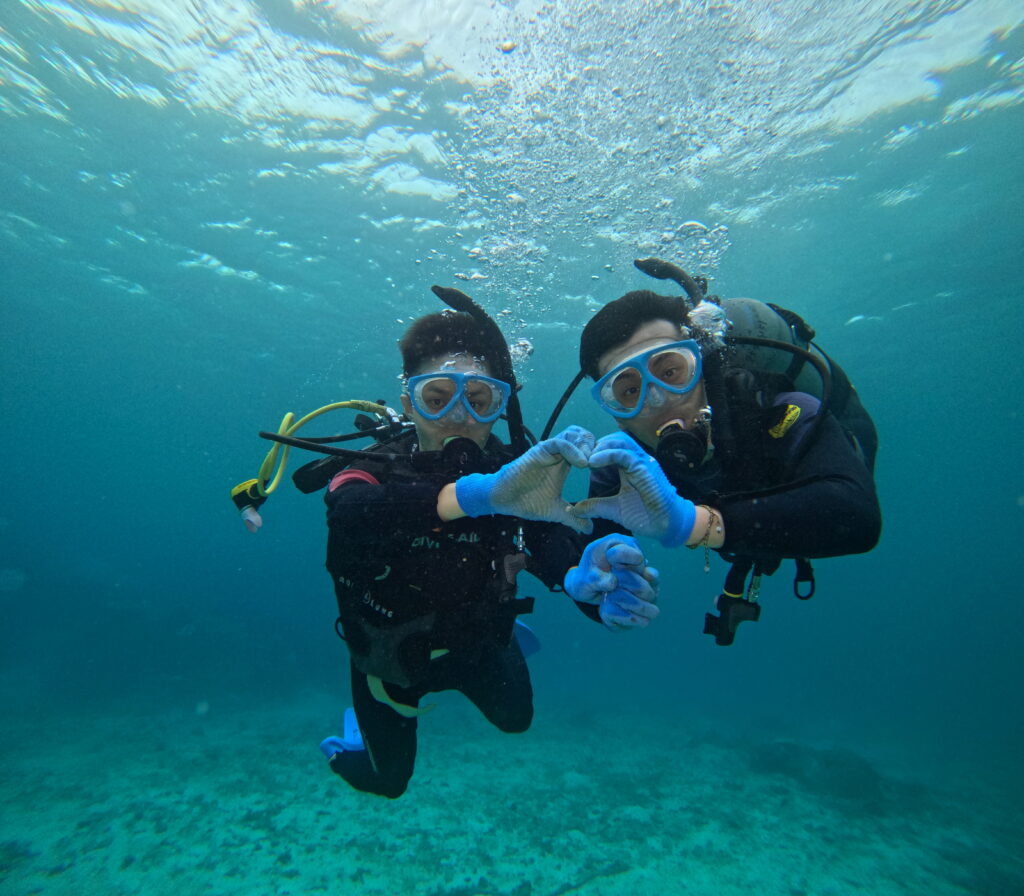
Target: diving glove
[621,610]
[530,487]
[646,503]
[613,575]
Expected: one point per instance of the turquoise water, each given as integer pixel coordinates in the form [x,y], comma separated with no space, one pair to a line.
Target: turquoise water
[212,213]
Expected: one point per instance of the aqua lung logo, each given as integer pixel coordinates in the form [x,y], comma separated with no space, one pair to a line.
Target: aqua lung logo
[376,605]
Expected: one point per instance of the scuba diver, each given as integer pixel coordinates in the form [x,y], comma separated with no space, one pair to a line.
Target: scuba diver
[427,530]
[737,434]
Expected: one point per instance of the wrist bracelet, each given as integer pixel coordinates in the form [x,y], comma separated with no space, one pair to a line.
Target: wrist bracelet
[712,520]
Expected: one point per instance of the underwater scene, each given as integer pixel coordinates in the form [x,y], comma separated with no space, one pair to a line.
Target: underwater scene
[217,212]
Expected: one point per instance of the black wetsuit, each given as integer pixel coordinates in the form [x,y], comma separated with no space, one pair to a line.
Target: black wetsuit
[410,586]
[783,492]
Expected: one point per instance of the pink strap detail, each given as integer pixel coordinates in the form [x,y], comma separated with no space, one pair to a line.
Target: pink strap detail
[352,476]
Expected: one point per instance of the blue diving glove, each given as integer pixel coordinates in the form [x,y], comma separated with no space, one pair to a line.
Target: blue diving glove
[614,575]
[646,503]
[530,487]
[621,610]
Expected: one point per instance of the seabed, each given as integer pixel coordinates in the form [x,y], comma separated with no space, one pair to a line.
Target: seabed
[238,800]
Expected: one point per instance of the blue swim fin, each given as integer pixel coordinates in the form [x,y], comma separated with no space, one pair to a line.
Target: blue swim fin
[353,737]
[529,643]
[349,742]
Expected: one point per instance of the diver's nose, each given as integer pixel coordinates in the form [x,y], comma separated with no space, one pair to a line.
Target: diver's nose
[655,397]
[456,415]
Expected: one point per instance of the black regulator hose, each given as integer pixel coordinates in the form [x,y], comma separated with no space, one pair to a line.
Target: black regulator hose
[665,270]
[320,448]
[566,395]
[459,301]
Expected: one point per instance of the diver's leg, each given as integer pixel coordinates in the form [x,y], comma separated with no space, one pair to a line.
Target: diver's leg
[387,763]
[499,686]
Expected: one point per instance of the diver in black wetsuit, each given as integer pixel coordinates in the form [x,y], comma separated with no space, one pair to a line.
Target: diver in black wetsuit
[424,549]
[715,457]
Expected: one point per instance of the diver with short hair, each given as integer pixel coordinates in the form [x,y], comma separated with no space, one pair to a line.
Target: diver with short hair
[424,546]
[715,456]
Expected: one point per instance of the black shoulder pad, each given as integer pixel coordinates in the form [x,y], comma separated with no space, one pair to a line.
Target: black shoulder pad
[315,475]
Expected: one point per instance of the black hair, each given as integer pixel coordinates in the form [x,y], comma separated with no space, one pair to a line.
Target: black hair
[446,332]
[620,319]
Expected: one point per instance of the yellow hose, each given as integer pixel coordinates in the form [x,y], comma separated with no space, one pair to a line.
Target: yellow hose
[268,478]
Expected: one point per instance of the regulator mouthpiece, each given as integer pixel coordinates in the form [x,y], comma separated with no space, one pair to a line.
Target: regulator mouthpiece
[682,449]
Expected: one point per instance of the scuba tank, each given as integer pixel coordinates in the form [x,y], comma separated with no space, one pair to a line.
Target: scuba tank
[752,324]
[752,318]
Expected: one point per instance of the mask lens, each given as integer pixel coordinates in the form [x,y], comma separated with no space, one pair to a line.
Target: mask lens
[623,390]
[484,398]
[674,367]
[433,396]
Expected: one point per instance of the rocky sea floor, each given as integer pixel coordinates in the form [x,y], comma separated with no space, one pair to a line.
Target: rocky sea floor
[240,801]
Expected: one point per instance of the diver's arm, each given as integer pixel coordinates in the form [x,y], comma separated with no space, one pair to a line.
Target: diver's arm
[529,487]
[447,504]
[831,509]
[554,549]
[710,525]
[367,512]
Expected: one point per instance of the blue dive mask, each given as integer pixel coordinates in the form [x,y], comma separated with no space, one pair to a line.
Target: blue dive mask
[435,394]
[675,367]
